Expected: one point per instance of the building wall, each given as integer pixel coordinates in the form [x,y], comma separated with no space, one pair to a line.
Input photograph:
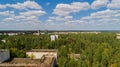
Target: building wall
[54,63]
[4,55]
[54,37]
[11,34]
[118,36]
[38,55]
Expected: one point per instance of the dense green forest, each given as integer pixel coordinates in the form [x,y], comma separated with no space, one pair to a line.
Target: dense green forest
[96,50]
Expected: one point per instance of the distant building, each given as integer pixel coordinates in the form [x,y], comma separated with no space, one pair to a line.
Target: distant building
[4,55]
[118,36]
[5,34]
[0,33]
[3,41]
[12,34]
[36,33]
[39,53]
[90,32]
[54,37]
[75,56]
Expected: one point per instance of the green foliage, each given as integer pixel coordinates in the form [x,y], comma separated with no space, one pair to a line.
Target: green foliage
[96,50]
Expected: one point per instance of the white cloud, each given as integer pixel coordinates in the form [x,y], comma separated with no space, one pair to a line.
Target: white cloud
[2,6]
[98,20]
[25,5]
[68,17]
[105,14]
[78,6]
[19,17]
[8,20]
[115,4]
[33,13]
[99,3]
[30,18]
[103,17]
[106,19]
[24,15]
[60,19]
[6,13]
[56,18]
[62,9]
[66,9]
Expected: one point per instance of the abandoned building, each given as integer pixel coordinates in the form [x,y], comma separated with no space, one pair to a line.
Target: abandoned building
[36,58]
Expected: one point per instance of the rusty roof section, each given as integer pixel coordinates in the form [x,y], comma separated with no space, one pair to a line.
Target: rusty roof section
[23,62]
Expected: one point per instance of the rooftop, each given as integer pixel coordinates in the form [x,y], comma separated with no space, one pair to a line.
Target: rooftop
[43,50]
[22,62]
[76,56]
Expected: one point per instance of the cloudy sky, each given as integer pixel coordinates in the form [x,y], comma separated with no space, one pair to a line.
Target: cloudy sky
[60,14]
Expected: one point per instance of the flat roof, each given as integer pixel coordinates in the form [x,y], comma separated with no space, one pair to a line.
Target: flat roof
[74,55]
[46,62]
[43,50]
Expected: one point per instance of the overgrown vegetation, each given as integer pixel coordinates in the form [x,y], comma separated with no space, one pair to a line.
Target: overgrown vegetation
[96,50]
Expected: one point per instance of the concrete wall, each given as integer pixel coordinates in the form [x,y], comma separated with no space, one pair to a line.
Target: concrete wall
[54,37]
[118,37]
[54,63]
[38,55]
[4,55]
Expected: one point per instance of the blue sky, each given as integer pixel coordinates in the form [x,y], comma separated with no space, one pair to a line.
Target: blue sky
[59,14]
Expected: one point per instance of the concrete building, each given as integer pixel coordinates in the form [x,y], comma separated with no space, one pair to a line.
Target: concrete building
[28,62]
[54,37]
[39,53]
[118,36]
[36,33]
[4,55]
[3,41]
[90,32]
[37,58]
[12,34]
[0,33]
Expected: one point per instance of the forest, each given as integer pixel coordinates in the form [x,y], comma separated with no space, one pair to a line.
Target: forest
[95,50]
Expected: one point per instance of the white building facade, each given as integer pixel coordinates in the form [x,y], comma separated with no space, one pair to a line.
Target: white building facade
[54,37]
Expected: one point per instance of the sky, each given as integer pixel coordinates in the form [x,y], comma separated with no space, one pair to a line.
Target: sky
[59,14]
